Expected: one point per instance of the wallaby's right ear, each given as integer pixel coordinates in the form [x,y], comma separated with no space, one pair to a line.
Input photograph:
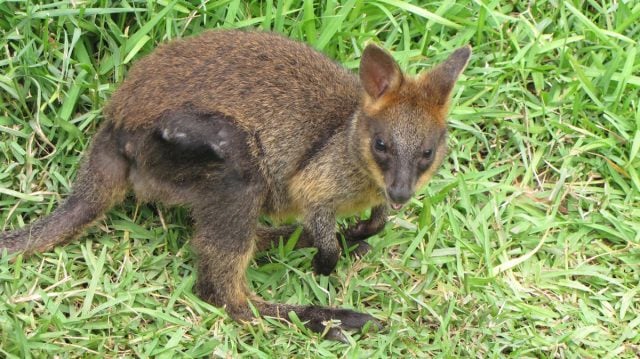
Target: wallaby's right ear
[439,82]
[379,72]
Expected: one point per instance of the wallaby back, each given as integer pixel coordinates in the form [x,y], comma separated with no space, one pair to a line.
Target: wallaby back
[277,89]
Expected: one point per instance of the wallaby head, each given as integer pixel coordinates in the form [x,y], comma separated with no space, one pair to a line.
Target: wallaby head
[401,125]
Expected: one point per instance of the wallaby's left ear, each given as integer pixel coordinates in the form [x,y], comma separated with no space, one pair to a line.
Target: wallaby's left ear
[439,82]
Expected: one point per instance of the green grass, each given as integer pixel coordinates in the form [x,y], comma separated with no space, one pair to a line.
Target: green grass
[526,244]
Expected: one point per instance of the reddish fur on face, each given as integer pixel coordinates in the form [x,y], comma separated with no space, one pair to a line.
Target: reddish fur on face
[411,110]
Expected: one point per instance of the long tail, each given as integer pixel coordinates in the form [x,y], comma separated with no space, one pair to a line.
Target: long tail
[101,182]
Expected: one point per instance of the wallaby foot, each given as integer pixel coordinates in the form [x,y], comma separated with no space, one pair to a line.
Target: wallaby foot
[317,318]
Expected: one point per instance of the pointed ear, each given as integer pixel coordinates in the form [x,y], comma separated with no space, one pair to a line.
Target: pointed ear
[379,73]
[439,82]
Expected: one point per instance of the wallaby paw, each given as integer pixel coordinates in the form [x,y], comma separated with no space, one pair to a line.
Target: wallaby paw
[357,249]
[325,263]
[362,229]
[357,232]
[319,318]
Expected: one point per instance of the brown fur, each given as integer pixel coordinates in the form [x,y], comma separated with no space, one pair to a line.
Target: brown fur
[238,124]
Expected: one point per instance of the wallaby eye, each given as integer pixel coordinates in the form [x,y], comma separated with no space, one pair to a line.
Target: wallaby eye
[427,153]
[379,145]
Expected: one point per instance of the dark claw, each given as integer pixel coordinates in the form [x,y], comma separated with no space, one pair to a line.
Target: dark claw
[337,335]
[316,318]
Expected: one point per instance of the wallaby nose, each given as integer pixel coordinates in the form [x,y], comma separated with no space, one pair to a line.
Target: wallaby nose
[399,195]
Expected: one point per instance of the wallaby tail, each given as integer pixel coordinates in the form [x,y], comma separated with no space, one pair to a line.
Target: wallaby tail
[101,182]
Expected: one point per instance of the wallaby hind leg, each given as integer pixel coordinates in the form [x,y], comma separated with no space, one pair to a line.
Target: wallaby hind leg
[101,181]
[224,244]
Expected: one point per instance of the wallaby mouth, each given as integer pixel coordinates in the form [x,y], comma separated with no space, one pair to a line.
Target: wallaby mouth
[396,206]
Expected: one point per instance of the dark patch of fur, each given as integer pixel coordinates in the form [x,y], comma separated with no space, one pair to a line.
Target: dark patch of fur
[190,134]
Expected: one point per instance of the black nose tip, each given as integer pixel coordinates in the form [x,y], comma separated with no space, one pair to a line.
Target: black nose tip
[399,195]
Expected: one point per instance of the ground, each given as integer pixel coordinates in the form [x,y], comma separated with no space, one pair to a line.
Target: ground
[526,243]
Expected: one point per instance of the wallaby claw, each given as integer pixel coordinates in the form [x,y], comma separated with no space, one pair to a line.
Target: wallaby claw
[318,318]
[337,335]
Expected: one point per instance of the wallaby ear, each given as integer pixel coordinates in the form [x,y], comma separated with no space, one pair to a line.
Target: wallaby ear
[439,82]
[379,72]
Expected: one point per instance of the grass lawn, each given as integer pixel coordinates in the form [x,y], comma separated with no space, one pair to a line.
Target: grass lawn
[526,243]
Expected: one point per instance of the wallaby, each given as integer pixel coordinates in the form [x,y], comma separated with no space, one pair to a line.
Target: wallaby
[235,125]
